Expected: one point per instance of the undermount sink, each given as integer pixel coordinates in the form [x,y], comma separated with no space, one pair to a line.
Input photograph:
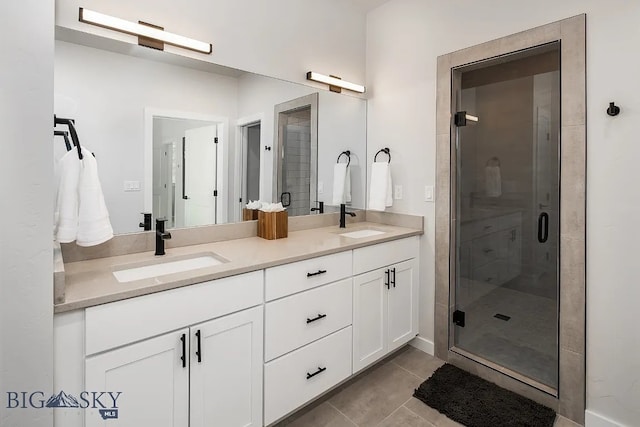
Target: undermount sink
[163,267]
[359,234]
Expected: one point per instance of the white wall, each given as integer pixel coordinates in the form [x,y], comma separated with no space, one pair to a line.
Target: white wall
[404,38]
[279,38]
[26,188]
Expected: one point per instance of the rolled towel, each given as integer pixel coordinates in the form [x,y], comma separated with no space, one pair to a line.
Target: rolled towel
[94,226]
[340,178]
[66,213]
[493,181]
[380,190]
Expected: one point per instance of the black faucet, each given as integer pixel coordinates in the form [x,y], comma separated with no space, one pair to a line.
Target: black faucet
[161,235]
[146,225]
[343,213]
[320,207]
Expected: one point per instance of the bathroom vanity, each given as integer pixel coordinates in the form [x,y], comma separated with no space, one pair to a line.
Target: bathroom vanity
[245,342]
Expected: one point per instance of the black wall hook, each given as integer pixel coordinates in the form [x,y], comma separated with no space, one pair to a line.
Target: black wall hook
[613,109]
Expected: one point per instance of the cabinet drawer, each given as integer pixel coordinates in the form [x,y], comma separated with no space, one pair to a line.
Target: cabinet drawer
[477,228]
[123,322]
[290,381]
[291,322]
[488,273]
[383,254]
[303,275]
[484,249]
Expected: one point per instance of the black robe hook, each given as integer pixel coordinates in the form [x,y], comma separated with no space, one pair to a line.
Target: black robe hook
[613,109]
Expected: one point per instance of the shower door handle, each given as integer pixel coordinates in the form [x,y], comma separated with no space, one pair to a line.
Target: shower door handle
[288,198]
[543,227]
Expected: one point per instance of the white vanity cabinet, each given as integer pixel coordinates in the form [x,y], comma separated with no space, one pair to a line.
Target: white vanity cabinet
[385,300]
[308,338]
[209,370]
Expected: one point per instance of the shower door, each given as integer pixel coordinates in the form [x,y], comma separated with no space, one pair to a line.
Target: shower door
[505,206]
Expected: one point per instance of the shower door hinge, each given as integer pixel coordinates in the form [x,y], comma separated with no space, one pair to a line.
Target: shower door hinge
[460,119]
[458,318]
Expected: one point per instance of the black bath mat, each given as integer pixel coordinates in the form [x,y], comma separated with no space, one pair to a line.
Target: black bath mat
[474,402]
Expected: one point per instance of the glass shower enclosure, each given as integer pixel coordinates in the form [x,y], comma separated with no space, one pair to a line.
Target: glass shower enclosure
[505,210]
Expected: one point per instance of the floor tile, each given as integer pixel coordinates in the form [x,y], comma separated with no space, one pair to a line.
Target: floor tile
[375,396]
[564,422]
[430,414]
[417,362]
[405,418]
[323,415]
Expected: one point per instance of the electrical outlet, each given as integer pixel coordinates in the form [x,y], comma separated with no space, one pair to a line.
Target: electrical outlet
[428,193]
[132,186]
[398,192]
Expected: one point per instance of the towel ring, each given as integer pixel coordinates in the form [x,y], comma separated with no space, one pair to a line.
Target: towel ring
[346,153]
[383,150]
[494,161]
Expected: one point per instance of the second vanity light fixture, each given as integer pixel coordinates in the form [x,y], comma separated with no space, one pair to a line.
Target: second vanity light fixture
[335,83]
[147,33]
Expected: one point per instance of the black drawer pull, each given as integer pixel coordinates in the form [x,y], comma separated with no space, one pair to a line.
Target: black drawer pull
[316,273]
[199,350]
[386,278]
[393,281]
[319,371]
[320,316]
[183,338]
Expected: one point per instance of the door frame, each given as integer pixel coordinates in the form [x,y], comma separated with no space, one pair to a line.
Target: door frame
[571,33]
[240,161]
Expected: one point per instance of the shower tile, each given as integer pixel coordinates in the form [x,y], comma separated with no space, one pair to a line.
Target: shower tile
[573,153]
[573,79]
[572,388]
[476,53]
[441,330]
[572,295]
[532,37]
[443,95]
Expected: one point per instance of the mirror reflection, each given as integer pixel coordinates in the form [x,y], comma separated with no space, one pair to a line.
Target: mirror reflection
[194,146]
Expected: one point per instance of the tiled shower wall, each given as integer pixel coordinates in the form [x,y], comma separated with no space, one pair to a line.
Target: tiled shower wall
[297,156]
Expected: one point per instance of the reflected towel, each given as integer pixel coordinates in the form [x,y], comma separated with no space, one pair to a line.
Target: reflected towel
[380,195]
[493,181]
[94,226]
[66,213]
[341,184]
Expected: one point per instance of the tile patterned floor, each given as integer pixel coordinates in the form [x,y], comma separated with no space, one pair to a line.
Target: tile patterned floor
[382,396]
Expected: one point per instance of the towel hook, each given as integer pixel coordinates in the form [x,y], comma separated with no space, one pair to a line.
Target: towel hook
[346,153]
[613,109]
[65,135]
[383,150]
[72,131]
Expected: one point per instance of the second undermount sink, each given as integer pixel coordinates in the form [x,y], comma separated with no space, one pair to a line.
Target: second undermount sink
[359,234]
[162,267]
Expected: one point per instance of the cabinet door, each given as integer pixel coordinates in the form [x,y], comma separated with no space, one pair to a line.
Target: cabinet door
[226,371]
[369,318]
[403,304]
[152,379]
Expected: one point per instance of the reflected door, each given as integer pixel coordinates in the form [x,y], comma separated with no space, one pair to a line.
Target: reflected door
[297,154]
[505,211]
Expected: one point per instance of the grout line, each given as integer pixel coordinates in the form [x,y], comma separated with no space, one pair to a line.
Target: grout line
[396,410]
[342,413]
[406,370]
[418,415]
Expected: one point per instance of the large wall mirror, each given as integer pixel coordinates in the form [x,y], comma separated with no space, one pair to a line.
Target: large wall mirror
[193,144]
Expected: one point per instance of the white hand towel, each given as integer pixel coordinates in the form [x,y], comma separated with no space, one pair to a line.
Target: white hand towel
[380,195]
[339,183]
[493,181]
[94,226]
[66,213]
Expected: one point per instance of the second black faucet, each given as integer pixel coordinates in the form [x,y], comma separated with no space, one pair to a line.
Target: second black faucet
[161,235]
[343,214]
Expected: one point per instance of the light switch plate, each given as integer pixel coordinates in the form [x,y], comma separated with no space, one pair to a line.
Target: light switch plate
[397,193]
[428,193]
[132,186]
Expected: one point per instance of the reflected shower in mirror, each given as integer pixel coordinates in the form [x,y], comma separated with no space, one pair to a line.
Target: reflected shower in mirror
[152,123]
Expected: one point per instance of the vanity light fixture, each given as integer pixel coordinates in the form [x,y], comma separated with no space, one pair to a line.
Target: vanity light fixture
[148,35]
[335,83]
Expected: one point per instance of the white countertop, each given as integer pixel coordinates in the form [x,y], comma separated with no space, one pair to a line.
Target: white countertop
[91,282]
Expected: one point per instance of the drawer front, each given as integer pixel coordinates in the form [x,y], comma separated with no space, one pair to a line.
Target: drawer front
[383,254]
[479,228]
[484,249]
[298,377]
[123,322]
[300,319]
[300,276]
[489,274]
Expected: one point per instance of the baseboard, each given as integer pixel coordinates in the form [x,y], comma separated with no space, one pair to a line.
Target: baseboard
[423,344]
[591,419]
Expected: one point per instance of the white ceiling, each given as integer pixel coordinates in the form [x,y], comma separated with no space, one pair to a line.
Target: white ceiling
[367,5]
